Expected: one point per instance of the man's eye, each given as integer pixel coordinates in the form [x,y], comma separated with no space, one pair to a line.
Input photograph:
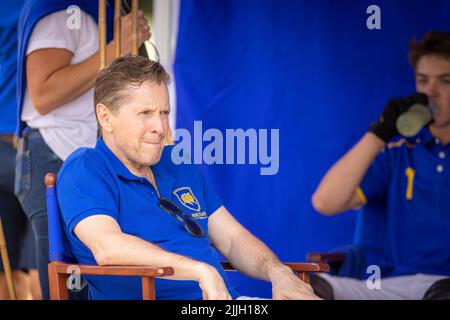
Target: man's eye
[421,81]
[165,113]
[446,81]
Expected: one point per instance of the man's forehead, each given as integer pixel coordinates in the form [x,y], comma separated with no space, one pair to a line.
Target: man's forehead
[433,65]
[154,96]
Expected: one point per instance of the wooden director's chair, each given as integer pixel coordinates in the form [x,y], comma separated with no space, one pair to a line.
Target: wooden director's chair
[62,260]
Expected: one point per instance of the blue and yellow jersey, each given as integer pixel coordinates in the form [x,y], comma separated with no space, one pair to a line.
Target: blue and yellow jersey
[412,176]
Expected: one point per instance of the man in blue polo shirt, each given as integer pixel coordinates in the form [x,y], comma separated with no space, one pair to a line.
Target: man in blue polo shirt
[412,176]
[125,203]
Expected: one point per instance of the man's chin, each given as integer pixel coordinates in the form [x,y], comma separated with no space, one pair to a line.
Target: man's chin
[152,155]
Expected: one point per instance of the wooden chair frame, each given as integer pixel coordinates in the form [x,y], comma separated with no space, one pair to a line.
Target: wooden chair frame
[59,272]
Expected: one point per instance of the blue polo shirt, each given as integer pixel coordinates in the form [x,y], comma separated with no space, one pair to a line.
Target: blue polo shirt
[94,181]
[412,177]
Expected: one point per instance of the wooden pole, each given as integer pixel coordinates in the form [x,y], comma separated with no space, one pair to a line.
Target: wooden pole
[102,32]
[6,265]
[134,36]
[117,29]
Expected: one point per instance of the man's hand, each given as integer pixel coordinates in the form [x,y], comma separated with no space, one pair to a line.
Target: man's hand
[385,128]
[287,286]
[212,285]
[143,31]
[126,31]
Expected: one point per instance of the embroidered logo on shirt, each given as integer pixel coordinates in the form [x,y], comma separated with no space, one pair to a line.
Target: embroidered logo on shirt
[187,198]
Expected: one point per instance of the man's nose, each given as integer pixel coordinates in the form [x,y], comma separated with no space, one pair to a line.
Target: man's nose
[432,89]
[157,125]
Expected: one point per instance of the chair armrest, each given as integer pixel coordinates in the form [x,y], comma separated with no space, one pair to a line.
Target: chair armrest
[58,273]
[326,257]
[308,267]
[296,267]
[140,271]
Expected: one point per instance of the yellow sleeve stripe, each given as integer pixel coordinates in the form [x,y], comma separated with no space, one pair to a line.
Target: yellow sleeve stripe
[410,173]
[361,196]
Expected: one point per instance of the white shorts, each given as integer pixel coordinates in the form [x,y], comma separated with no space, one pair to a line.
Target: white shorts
[409,287]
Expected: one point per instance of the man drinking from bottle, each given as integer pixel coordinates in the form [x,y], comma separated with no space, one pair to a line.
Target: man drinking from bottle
[411,175]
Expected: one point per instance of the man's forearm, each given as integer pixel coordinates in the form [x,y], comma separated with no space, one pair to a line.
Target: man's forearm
[252,257]
[69,82]
[338,186]
[124,249]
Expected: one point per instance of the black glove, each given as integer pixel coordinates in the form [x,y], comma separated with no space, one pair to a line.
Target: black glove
[385,128]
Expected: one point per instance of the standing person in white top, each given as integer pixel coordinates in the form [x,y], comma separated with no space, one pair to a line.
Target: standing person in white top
[61,66]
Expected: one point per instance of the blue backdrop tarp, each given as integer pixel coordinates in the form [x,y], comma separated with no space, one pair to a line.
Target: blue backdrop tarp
[310,68]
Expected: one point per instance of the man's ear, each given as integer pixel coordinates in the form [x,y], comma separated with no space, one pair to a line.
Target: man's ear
[104,117]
